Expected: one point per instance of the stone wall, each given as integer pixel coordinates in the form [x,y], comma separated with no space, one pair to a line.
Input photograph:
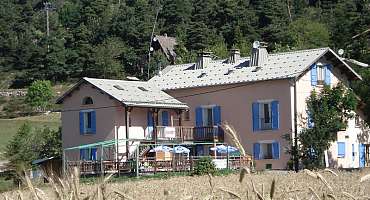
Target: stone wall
[13,93]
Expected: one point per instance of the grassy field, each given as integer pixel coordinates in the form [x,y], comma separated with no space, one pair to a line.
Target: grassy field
[8,127]
[287,185]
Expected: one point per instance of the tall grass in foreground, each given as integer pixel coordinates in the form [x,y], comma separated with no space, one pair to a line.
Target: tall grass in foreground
[69,189]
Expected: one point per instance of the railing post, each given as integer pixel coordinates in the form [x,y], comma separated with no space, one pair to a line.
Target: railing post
[101,161]
[137,160]
[64,163]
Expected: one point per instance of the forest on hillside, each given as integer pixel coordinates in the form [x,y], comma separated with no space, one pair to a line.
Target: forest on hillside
[110,38]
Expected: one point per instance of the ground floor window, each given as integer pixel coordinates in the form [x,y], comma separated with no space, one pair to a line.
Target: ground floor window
[266,150]
[88,154]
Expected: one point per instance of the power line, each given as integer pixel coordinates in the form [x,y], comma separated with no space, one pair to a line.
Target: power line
[180,97]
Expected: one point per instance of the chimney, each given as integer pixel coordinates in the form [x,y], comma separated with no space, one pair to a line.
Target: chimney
[204,58]
[259,55]
[234,55]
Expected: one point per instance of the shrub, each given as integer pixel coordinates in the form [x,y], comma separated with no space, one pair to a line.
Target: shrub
[204,166]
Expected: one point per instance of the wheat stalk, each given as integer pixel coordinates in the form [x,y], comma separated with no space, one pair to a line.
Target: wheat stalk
[230,131]
[365,178]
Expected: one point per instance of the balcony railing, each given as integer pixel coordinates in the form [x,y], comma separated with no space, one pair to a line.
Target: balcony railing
[208,133]
[266,125]
[188,133]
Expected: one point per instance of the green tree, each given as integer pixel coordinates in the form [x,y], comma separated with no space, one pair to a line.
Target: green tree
[30,144]
[39,95]
[307,34]
[328,111]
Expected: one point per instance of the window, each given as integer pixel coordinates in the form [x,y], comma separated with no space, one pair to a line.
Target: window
[208,117]
[88,154]
[266,150]
[357,121]
[265,116]
[268,166]
[341,149]
[87,122]
[87,101]
[320,74]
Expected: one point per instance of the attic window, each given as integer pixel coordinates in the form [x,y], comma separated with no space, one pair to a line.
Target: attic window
[118,87]
[143,89]
[203,74]
[229,72]
[87,101]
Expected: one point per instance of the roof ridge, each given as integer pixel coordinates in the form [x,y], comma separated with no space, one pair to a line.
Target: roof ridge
[105,79]
[298,51]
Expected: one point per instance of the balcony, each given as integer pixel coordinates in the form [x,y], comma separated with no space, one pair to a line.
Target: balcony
[188,133]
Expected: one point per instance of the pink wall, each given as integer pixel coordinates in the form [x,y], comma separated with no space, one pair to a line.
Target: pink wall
[236,108]
[107,119]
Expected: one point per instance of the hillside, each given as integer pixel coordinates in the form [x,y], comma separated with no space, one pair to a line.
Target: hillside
[9,127]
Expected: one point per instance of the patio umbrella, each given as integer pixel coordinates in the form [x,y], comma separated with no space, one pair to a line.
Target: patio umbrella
[181,149]
[161,148]
[224,149]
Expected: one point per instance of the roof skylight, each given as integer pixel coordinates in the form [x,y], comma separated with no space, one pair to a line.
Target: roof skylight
[118,87]
[143,89]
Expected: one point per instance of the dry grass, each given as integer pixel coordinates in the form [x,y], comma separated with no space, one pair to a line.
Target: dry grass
[264,185]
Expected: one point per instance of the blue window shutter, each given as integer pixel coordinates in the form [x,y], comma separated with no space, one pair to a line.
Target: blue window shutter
[275,150]
[255,116]
[256,151]
[217,115]
[309,120]
[328,74]
[82,125]
[314,75]
[165,118]
[82,154]
[93,122]
[341,149]
[198,116]
[275,115]
[361,152]
[93,154]
[150,121]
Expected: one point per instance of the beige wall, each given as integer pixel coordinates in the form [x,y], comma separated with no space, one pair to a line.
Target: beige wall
[236,108]
[304,89]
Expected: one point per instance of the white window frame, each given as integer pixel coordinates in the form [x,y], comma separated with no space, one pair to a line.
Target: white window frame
[87,131]
[205,114]
[266,142]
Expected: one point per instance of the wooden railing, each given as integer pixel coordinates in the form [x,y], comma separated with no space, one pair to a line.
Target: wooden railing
[150,165]
[188,133]
[208,133]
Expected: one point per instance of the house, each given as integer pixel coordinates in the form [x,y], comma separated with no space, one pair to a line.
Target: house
[263,97]
[96,110]
[166,45]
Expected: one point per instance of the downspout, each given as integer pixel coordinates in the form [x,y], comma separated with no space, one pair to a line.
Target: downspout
[296,159]
[126,129]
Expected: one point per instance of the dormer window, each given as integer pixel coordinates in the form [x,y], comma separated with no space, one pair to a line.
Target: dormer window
[87,101]
[320,74]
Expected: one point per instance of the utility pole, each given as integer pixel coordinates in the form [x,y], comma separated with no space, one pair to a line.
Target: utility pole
[151,40]
[47,7]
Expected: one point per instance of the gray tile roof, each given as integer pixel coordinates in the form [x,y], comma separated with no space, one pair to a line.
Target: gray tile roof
[220,72]
[132,93]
